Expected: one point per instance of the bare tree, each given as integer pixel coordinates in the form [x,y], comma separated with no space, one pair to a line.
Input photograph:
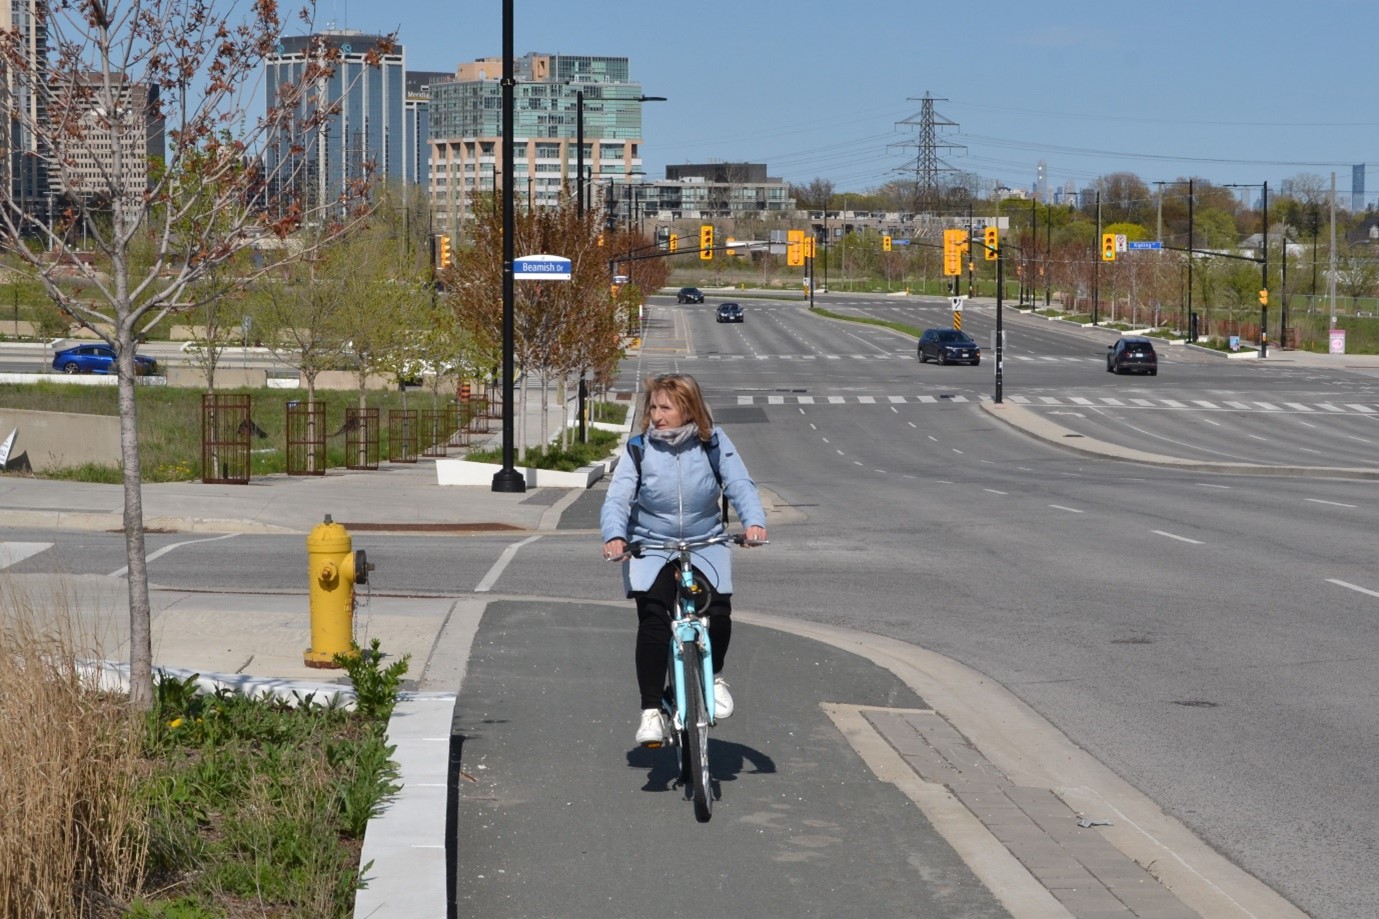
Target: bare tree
[87,113]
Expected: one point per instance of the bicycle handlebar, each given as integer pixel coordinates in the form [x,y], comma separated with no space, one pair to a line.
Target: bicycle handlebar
[639,549]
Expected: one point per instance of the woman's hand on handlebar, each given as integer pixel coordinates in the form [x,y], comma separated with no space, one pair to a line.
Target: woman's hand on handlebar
[754,536]
[615,549]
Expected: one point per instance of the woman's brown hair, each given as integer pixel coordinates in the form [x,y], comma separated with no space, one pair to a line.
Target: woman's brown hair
[684,391]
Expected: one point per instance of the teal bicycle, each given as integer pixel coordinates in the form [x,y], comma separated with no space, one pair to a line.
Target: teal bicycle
[688,702]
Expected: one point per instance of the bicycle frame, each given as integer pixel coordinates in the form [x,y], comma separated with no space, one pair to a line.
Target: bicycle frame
[688,627]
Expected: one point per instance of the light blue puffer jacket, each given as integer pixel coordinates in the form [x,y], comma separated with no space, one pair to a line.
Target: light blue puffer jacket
[679,499]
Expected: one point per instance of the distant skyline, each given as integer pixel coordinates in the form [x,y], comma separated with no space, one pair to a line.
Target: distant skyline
[1230,92]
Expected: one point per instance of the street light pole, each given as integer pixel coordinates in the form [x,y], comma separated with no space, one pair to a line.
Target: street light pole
[579,152]
[508,479]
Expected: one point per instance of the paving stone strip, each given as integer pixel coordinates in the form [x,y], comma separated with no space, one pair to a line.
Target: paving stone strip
[1077,865]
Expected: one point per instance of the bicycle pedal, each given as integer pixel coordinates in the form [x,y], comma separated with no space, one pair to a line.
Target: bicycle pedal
[653,744]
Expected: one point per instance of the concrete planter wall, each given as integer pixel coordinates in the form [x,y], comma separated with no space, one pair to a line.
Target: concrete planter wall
[464,472]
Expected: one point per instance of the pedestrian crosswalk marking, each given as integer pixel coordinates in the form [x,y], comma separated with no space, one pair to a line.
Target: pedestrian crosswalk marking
[907,354]
[1349,408]
[12,553]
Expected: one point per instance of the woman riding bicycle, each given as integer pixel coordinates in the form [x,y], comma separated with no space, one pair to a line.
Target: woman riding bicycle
[673,493]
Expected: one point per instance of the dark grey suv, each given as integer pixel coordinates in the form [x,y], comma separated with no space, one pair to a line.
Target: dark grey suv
[1134,354]
[689,295]
[949,346]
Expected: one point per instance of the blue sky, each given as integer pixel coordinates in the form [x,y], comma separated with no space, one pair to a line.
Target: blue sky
[1229,91]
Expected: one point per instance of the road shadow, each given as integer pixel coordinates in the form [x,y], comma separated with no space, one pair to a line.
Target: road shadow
[727,760]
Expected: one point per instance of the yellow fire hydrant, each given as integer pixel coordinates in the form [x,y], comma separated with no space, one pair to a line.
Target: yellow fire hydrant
[334,567]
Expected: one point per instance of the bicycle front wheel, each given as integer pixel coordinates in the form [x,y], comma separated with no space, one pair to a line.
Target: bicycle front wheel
[696,751]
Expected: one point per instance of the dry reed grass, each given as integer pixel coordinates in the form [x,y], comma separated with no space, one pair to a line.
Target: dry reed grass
[72,830]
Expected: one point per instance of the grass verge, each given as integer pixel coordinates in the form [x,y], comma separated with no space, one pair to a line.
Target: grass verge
[210,806]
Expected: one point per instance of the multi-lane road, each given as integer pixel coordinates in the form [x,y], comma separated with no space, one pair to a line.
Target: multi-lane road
[1213,638]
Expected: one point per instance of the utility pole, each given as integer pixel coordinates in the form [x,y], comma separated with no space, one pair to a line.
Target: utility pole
[1191,319]
[1331,263]
[1096,261]
[1264,288]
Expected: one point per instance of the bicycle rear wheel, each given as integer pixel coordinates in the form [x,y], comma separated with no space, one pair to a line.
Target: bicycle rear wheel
[696,750]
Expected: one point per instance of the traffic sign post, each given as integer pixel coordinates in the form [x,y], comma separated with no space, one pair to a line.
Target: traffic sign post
[541,268]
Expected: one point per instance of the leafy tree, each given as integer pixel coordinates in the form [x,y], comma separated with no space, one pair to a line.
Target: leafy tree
[560,327]
[153,234]
[813,197]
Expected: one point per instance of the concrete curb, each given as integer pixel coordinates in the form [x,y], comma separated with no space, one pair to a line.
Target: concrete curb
[1022,419]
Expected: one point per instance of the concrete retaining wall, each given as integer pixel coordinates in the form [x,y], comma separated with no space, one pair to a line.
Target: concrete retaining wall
[58,439]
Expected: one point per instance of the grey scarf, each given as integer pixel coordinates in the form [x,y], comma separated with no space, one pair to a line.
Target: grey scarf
[674,437]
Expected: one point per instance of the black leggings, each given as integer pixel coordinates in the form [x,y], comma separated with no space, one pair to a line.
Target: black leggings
[653,632]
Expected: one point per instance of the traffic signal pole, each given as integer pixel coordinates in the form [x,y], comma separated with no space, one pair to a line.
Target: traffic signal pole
[1000,329]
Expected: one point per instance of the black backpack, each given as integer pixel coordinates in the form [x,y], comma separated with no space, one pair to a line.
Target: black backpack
[636,446]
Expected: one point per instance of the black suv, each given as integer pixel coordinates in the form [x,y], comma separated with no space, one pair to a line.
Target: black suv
[689,295]
[729,312]
[1132,355]
[949,346]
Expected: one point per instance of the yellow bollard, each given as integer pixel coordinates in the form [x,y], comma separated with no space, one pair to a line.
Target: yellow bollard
[334,568]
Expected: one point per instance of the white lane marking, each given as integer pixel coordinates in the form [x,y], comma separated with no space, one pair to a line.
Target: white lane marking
[1360,408]
[1195,542]
[995,492]
[503,561]
[121,572]
[1059,507]
[1332,503]
[12,553]
[1258,437]
[1354,587]
[1210,485]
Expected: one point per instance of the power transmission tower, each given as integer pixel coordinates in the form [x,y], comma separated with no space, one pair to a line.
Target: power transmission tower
[927,165]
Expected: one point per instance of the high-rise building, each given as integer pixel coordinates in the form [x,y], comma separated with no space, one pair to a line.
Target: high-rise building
[25,170]
[85,162]
[1357,189]
[467,132]
[417,124]
[363,140]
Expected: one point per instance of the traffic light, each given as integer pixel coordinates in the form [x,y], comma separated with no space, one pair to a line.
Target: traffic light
[674,242]
[1264,297]
[444,246]
[794,247]
[706,242]
[809,247]
[952,251]
[885,244]
[992,238]
[1108,247]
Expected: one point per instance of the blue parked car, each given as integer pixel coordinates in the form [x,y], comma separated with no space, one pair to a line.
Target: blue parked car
[98,359]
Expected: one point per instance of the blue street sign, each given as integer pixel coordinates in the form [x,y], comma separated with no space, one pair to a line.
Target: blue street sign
[541,268]
[1145,245]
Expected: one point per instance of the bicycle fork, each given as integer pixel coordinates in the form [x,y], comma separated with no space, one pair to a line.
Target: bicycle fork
[692,631]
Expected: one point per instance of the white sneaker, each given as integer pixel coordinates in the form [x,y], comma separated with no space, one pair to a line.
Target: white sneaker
[722,699]
[652,731]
